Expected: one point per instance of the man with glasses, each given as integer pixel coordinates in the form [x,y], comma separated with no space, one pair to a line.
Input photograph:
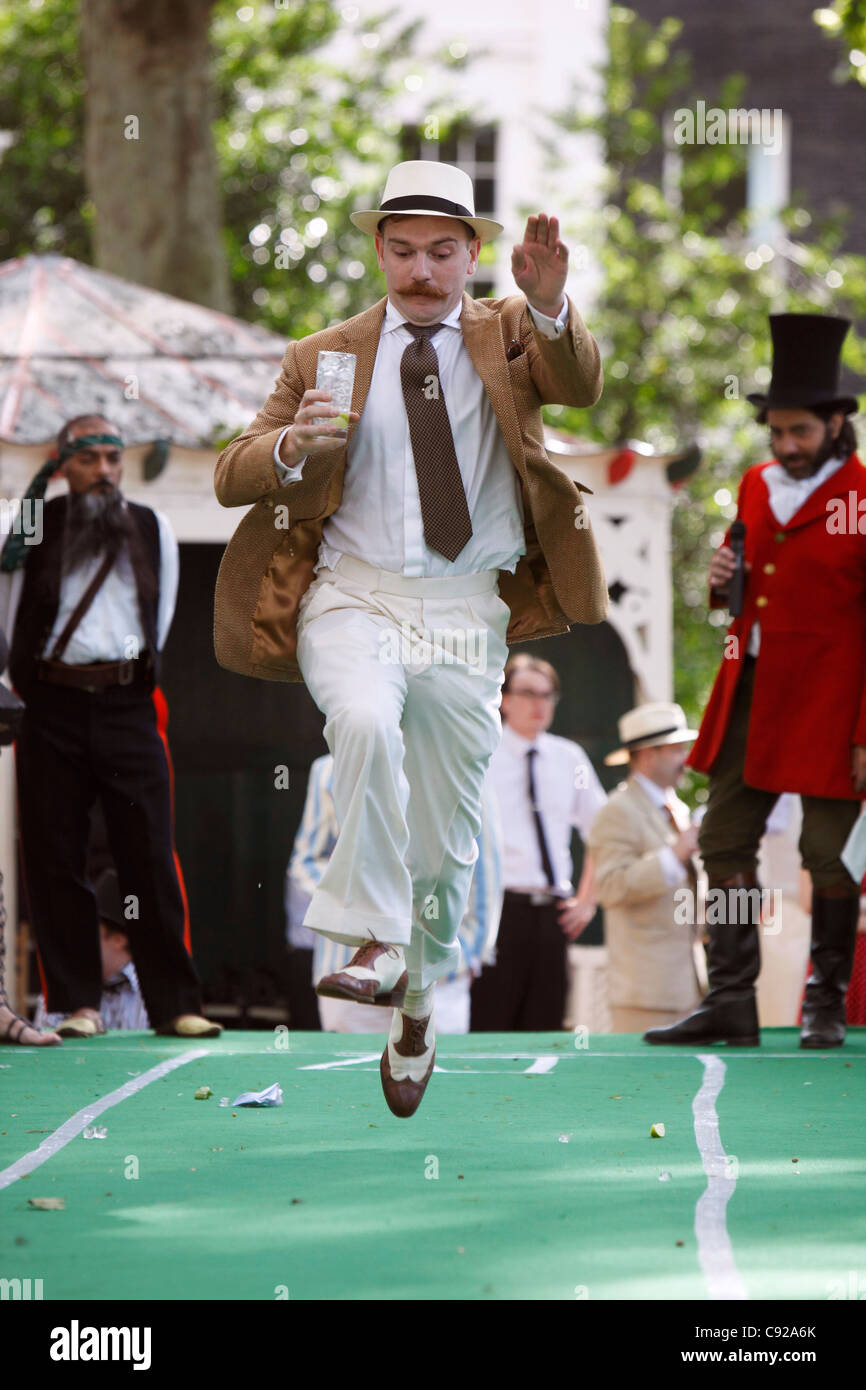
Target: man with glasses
[545,786]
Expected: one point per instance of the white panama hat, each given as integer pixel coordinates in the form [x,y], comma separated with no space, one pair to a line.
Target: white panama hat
[426,188]
[650,726]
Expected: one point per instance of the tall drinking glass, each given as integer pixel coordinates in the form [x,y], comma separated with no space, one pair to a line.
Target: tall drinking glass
[335,372]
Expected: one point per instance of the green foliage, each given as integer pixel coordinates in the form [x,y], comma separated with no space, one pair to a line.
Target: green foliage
[845,20]
[302,133]
[682,312]
[42,191]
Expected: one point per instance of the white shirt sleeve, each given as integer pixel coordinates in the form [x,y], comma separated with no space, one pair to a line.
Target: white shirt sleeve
[284,472]
[169,576]
[551,328]
[674,870]
[589,795]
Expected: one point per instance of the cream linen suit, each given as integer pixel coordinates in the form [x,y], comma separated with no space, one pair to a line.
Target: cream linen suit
[650,955]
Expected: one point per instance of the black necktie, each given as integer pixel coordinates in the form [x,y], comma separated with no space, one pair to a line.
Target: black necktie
[444,509]
[539,828]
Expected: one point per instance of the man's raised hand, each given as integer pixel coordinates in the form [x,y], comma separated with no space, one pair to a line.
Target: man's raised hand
[540,264]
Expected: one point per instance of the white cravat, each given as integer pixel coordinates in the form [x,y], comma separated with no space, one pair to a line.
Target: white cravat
[379,516]
[568,793]
[787,495]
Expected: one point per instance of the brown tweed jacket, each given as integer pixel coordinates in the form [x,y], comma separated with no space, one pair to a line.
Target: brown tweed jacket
[270,561]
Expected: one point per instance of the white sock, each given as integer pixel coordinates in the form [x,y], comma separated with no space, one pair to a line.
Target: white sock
[418,1002]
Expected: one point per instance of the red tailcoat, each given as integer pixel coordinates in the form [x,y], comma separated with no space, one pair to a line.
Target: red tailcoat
[807,589]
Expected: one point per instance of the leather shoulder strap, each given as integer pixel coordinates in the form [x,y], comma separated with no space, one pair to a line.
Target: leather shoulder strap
[81,608]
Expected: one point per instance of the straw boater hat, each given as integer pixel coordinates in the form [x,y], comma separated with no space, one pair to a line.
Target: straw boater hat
[424,188]
[650,726]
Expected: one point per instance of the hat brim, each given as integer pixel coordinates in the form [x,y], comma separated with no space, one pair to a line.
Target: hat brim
[369,219]
[849,405]
[621,755]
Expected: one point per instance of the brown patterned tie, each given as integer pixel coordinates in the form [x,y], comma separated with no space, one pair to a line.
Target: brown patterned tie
[444,509]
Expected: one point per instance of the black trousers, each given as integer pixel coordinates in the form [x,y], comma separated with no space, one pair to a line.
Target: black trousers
[75,747]
[525,991]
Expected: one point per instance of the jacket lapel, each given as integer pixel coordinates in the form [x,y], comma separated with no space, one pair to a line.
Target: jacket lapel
[839,484]
[361,336]
[482,334]
[652,814]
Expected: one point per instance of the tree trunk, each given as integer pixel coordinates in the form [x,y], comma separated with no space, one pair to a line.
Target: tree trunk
[150,162]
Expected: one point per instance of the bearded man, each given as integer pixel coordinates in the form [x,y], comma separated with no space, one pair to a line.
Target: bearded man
[788,710]
[95,606]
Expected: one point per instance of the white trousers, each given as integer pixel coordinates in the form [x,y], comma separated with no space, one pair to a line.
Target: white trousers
[408,674]
[451,1011]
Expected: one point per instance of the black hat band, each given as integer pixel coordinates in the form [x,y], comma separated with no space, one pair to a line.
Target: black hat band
[428,201]
[645,738]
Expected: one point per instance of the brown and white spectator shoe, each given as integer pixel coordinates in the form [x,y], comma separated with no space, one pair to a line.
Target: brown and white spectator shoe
[407,1063]
[376,974]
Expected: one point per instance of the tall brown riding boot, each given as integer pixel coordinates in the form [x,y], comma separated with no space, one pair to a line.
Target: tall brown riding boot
[729,1013]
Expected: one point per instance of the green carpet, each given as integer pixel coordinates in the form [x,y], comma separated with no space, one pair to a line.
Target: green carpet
[478,1196]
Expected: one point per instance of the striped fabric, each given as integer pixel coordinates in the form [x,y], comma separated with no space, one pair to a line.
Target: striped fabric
[121,1005]
[314,842]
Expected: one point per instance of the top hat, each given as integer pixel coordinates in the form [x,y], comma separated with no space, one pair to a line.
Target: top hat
[425,188]
[650,726]
[806,350]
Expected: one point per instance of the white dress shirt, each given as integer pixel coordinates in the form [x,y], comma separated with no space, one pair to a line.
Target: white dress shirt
[111,629]
[674,870]
[379,516]
[569,796]
[787,496]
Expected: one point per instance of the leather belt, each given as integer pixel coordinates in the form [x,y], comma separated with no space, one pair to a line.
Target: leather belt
[535,899]
[100,676]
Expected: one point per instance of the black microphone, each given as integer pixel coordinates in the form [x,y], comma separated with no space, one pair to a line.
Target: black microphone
[736,541]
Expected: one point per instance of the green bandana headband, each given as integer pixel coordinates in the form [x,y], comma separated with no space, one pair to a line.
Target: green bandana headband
[15,549]
[84,441]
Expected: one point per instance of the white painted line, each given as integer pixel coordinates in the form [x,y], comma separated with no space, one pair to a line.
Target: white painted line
[715,1253]
[76,1123]
[344,1062]
[541,1065]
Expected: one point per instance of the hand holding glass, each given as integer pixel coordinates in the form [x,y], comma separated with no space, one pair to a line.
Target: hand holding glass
[335,373]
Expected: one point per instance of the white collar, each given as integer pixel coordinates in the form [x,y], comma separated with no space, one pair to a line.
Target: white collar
[519,744]
[778,476]
[659,796]
[394,319]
